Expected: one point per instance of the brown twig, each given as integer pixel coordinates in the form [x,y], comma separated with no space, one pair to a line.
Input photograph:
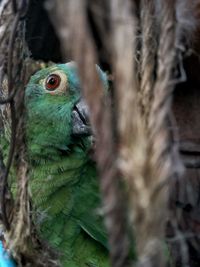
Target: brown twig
[13,120]
[11,93]
[148,55]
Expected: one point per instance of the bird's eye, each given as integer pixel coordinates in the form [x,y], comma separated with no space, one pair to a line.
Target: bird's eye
[52,82]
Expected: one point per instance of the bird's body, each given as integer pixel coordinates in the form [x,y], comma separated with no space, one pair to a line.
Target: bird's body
[63,179]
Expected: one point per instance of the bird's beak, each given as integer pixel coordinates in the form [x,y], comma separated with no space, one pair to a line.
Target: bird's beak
[80,119]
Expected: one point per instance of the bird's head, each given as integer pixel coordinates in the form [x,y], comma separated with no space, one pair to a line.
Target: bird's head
[56,112]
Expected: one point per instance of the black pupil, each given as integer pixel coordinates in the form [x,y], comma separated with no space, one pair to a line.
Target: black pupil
[52,81]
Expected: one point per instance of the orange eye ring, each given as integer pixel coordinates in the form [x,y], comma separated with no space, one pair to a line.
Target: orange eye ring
[52,82]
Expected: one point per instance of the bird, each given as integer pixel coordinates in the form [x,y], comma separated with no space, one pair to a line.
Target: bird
[63,185]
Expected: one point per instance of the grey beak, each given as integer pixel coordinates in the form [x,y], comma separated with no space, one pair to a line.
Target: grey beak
[80,120]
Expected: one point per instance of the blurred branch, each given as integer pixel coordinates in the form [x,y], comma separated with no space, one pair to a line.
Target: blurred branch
[143,151]
[73,28]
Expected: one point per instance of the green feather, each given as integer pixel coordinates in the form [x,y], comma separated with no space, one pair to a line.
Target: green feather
[64,188]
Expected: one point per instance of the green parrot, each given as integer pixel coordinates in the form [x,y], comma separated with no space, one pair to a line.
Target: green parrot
[63,178]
